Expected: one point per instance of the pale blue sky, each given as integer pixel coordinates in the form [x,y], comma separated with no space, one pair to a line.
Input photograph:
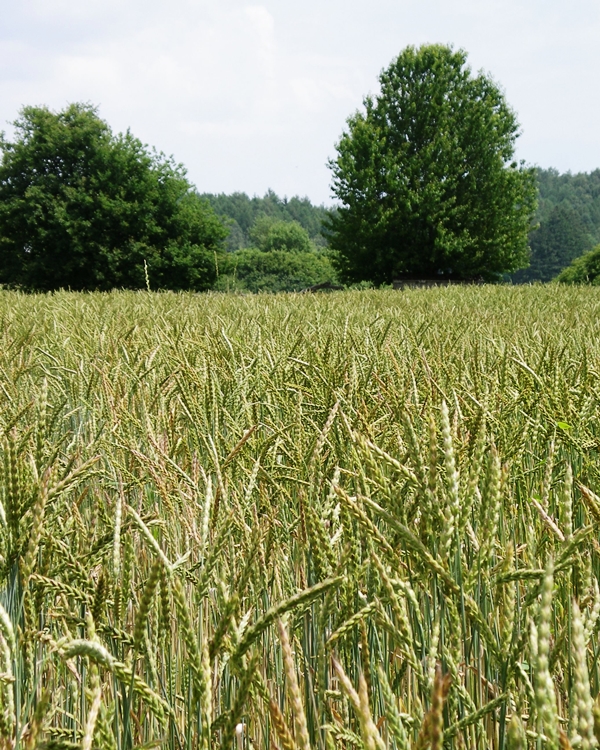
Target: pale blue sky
[252,95]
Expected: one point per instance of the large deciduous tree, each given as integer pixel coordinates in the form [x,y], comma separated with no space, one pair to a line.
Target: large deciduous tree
[426,176]
[81,208]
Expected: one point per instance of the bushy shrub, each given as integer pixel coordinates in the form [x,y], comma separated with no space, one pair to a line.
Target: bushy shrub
[256,270]
[270,234]
[583,270]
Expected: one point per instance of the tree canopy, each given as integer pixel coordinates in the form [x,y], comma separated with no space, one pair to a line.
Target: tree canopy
[275,244]
[81,208]
[426,178]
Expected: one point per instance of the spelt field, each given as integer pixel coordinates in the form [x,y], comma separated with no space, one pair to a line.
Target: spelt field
[363,520]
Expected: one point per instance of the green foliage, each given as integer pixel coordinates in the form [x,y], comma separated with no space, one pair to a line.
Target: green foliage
[282,259]
[84,209]
[583,270]
[426,176]
[241,212]
[269,234]
[579,192]
[256,270]
[569,222]
[560,239]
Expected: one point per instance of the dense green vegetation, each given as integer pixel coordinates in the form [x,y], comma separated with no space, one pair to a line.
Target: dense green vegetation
[583,270]
[359,521]
[568,225]
[559,239]
[256,270]
[81,208]
[580,192]
[567,218]
[426,177]
[241,213]
[281,257]
[569,222]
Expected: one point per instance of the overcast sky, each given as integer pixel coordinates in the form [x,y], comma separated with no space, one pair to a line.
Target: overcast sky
[253,95]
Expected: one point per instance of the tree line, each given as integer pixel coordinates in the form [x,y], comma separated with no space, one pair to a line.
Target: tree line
[278,255]
[568,223]
[242,211]
[425,181]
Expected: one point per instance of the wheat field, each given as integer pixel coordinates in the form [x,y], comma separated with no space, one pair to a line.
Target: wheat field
[360,520]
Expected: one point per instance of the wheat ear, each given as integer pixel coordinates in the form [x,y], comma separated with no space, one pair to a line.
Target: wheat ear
[300,726]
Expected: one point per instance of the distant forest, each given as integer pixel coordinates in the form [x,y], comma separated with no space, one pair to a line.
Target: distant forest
[274,244]
[241,212]
[568,219]
[569,222]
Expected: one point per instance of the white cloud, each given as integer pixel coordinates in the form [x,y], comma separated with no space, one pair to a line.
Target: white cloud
[254,94]
[80,72]
[262,24]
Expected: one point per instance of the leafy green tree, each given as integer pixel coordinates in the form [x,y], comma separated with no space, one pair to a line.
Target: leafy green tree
[426,179]
[561,238]
[583,270]
[269,234]
[83,209]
